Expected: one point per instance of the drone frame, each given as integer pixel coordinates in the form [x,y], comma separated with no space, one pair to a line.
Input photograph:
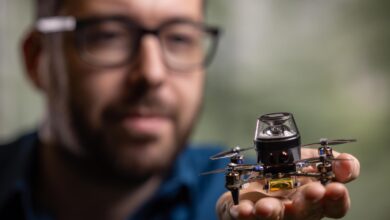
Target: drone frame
[281,176]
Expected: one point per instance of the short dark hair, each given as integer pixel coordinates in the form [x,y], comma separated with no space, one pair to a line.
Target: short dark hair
[47,8]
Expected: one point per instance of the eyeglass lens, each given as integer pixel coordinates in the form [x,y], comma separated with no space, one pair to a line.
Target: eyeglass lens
[113,43]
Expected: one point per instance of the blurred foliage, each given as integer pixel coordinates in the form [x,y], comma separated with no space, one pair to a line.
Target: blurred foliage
[326,61]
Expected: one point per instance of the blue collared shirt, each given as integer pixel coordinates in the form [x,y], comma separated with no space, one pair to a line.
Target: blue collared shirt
[183,195]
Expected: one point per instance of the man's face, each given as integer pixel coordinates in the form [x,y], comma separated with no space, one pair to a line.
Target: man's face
[131,120]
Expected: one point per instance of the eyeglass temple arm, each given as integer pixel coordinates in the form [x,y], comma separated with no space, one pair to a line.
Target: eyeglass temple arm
[55,24]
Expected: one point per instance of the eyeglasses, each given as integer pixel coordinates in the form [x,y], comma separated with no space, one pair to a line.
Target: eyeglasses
[114,41]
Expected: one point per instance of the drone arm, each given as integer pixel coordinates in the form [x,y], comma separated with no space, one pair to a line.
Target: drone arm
[233,184]
[255,179]
[315,175]
[235,195]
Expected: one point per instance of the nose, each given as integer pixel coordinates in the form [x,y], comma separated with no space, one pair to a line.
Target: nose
[149,64]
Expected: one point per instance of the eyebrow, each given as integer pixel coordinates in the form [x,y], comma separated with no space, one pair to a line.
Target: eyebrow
[182,19]
[173,19]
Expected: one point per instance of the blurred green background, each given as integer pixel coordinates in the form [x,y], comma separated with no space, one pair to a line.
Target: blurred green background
[326,61]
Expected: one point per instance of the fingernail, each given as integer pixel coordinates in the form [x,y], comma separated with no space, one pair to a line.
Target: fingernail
[225,207]
[234,211]
[345,173]
[266,211]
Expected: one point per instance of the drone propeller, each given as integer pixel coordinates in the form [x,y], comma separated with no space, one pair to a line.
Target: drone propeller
[230,153]
[239,168]
[330,142]
[213,172]
[318,160]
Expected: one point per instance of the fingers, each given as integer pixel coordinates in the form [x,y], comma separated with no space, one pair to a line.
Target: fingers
[308,152]
[223,206]
[242,211]
[269,208]
[245,210]
[315,201]
[227,211]
[312,201]
[307,202]
[346,170]
[336,201]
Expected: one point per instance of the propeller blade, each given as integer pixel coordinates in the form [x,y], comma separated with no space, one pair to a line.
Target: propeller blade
[340,159]
[318,160]
[229,153]
[341,141]
[331,142]
[243,167]
[213,172]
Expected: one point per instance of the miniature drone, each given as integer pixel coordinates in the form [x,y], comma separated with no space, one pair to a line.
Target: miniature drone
[279,163]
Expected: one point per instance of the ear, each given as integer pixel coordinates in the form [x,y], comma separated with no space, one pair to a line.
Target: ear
[32,48]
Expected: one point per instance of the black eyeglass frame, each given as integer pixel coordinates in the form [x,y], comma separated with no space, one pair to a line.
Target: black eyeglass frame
[69,23]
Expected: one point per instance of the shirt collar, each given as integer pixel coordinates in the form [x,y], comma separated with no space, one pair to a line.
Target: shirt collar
[181,175]
[19,173]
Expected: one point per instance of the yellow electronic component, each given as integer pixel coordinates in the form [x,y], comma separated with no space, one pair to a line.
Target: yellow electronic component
[281,184]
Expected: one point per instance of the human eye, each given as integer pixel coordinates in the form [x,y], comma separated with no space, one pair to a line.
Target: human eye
[106,35]
[181,41]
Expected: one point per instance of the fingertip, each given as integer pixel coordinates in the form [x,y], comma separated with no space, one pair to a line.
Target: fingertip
[314,192]
[356,168]
[224,203]
[268,208]
[242,210]
[347,168]
[309,152]
[234,211]
[335,191]
[336,201]
[307,204]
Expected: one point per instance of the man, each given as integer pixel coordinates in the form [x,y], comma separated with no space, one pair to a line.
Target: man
[123,82]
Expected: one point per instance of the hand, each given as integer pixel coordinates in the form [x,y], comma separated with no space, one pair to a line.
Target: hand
[310,201]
